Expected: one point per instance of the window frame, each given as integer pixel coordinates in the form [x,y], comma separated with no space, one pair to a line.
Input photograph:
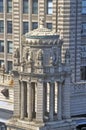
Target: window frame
[2,26]
[9,27]
[25,27]
[35,7]
[25,6]
[9,6]
[1,46]
[49,7]
[9,48]
[1,6]
[34,25]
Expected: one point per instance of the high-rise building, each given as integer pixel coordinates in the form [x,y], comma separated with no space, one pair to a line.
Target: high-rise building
[17,17]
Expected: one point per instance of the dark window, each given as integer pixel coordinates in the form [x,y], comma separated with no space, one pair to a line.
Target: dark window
[25,6]
[83,29]
[35,7]
[49,25]
[9,47]
[25,27]
[9,26]
[83,72]
[1,46]
[49,6]
[1,26]
[34,25]
[1,5]
[9,66]
[9,6]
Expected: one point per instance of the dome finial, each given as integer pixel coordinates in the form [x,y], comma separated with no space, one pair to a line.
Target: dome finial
[42,22]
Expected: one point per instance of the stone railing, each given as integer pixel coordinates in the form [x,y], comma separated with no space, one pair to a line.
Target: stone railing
[6,79]
[79,87]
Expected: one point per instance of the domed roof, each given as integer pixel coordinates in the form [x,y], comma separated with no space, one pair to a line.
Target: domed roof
[41,33]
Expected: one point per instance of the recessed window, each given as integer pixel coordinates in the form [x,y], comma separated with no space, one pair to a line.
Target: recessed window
[9,67]
[9,26]
[25,6]
[1,63]
[34,25]
[83,29]
[83,72]
[9,47]
[1,46]
[49,25]
[1,6]
[49,6]
[9,6]
[25,27]
[35,6]
[1,26]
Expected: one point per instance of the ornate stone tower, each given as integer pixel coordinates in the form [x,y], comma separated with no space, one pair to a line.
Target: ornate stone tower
[42,84]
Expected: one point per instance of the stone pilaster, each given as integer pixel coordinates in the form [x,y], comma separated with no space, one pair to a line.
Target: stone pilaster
[51,102]
[29,100]
[17,93]
[22,100]
[66,97]
[59,101]
[40,101]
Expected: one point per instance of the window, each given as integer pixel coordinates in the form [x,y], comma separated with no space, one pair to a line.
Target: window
[49,25]
[34,25]
[25,27]
[35,7]
[25,6]
[1,63]
[49,6]
[1,5]
[1,26]
[9,6]
[9,67]
[83,72]
[9,26]
[9,47]
[83,31]
[1,46]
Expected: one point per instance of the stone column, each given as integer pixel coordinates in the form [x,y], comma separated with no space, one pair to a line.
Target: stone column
[29,100]
[59,106]
[51,102]
[66,97]
[40,101]
[22,100]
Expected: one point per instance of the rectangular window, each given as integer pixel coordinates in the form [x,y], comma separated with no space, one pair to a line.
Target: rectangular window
[83,30]
[1,6]
[83,72]
[83,6]
[25,27]
[35,7]
[34,25]
[9,47]
[9,67]
[9,6]
[49,6]
[1,63]
[9,26]
[1,46]
[49,25]
[1,26]
[25,6]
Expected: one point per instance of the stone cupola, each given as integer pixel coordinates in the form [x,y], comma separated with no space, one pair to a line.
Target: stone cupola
[40,78]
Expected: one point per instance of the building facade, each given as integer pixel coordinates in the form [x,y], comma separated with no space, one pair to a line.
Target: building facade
[65,17]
